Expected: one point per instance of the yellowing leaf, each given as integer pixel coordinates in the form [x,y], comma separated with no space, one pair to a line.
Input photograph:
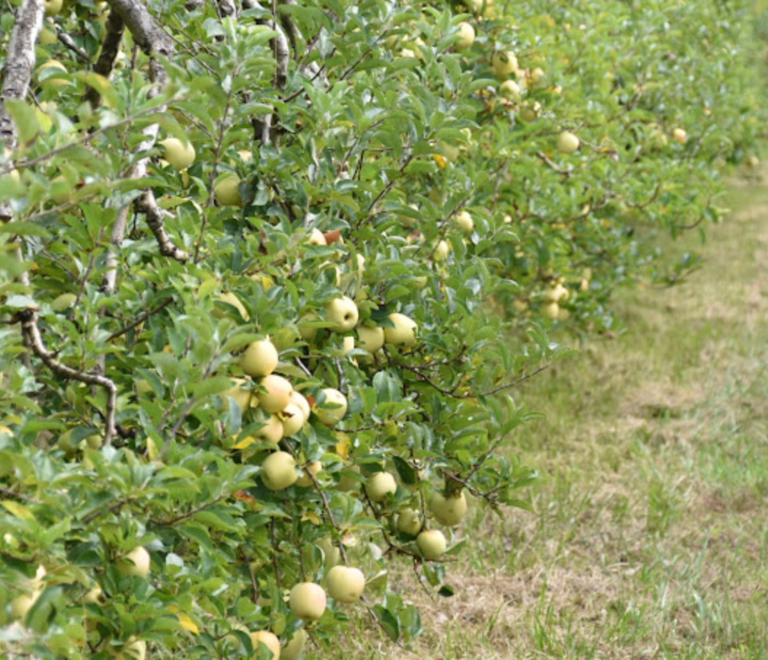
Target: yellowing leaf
[18,510]
[311,517]
[152,449]
[187,623]
[343,445]
[245,442]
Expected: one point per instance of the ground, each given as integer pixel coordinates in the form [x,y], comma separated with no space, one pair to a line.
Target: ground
[648,538]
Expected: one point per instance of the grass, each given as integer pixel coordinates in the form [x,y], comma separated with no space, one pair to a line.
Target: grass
[648,538]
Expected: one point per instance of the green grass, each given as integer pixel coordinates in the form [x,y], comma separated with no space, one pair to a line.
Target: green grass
[648,538]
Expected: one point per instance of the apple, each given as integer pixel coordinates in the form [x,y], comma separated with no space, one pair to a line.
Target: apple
[299,400]
[259,359]
[530,111]
[333,408]
[63,302]
[269,640]
[370,339]
[404,331]
[22,603]
[53,7]
[306,331]
[331,553]
[347,483]
[178,154]
[134,649]
[449,511]
[227,190]
[292,418]
[308,601]
[316,237]
[293,649]
[509,89]
[537,76]
[464,221]
[409,522]
[93,596]
[342,313]
[54,65]
[347,346]
[305,481]
[231,299]
[467,36]
[551,310]
[48,36]
[441,251]
[360,263]
[504,63]
[136,563]
[276,395]
[278,471]
[379,486]
[431,544]
[271,430]
[241,396]
[345,584]
[567,142]
[680,135]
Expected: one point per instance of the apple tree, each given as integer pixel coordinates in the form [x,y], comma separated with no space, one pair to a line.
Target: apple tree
[252,259]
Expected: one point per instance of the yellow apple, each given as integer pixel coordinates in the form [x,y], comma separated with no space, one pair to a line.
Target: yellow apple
[567,142]
[275,393]
[331,553]
[308,601]
[342,313]
[271,430]
[259,359]
[504,63]
[52,65]
[404,331]
[93,595]
[441,251]
[316,237]
[509,89]
[449,511]
[305,481]
[379,486]
[293,649]
[347,483]
[278,471]
[333,408]
[370,339]
[298,399]
[464,221]
[530,111]
[48,36]
[680,135]
[292,418]
[241,396]
[53,7]
[409,522]
[551,310]
[178,154]
[21,604]
[467,36]
[269,640]
[227,191]
[431,544]
[136,563]
[537,76]
[345,584]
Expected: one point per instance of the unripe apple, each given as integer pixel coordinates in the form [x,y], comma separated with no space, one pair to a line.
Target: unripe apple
[48,36]
[331,554]
[567,142]
[178,154]
[431,544]
[316,237]
[308,601]
[227,191]
[441,251]
[298,399]
[551,310]
[271,430]
[333,408]
[134,649]
[467,36]
[504,63]
[370,339]
[136,563]
[345,584]
[278,471]
[537,76]
[305,481]
[530,111]
[53,7]
[241,396]
[449,511]
[22,603]
[293,419]
[53,65]
[293,649]
[269,640]
[275,394]
[347,483]
[259,359]
[464,222]
[93,596]
[409,522]
[379,486]
[343,314]
[404,331]
[509,89]
[306,331]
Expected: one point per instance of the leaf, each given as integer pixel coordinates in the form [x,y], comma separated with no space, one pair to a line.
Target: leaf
[18,510]
[24,118]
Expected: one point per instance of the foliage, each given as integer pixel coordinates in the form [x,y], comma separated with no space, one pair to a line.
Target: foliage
[383,133]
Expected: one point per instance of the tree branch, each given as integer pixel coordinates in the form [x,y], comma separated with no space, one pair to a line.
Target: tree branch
[110,47]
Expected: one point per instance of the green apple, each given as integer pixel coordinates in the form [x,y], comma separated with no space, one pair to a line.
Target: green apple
[347,483]
[345,584]
[178,154]
[135,563]
[299,400]
[259,359]
[449,511]
[431,544]
[278,471]
[269,640]
[537,76]
[342,313]
[409,522]
[271,430]
[467,36]
[275,393]
[241,395]
[509,89]
[567,142]
[305,481]
[551,310]
[93,596]
[441,251]
[379,486]
[504,63]
[530,111]
[21,604]
[227,190]
[293,649]
[331,554]
[308,601]
[333,407]
[370,339]
[463,220]
[404,331]
[48,36]
[53,7]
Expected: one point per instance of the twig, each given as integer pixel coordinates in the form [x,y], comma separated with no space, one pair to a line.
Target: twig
[139,320]
[110,47]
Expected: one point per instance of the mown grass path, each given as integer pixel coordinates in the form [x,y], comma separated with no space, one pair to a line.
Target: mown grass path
[651,528]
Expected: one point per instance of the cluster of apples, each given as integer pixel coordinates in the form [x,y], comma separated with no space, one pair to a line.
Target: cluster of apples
[553,294]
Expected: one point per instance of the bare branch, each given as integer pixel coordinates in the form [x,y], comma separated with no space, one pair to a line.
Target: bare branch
[156,221]
[110,47]
[70,43]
